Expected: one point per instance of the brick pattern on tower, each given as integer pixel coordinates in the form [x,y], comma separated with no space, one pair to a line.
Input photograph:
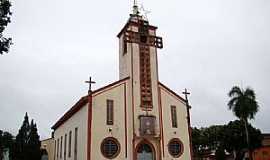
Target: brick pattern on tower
[145,77]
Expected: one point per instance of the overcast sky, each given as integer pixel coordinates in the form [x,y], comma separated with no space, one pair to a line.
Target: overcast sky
[209,46]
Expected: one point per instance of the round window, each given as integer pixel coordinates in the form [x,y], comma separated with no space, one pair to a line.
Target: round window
[110,147]
[175,147]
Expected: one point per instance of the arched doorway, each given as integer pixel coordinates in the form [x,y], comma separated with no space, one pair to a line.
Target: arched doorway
[44,154]
[145,151]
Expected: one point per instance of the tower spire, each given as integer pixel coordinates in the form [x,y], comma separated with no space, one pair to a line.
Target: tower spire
[135,8]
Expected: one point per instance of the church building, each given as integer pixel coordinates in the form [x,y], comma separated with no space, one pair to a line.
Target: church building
[134,118]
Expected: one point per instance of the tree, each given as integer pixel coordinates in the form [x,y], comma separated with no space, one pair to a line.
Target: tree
[27,141]
[208,139]
[234,137]
[244,105]
[229,137]
[34,142]
[6,142]
[22,139]
[220,153]
[5,14]
[198,142]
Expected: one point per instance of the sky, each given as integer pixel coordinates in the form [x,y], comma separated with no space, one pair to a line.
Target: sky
[209,46]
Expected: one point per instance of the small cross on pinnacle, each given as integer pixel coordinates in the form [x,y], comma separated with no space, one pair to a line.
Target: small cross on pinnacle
[186,93]
[145,12]
[90,84]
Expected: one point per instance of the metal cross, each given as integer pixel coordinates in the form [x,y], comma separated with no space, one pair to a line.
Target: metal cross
[186,93]
[146,12]
[90,84]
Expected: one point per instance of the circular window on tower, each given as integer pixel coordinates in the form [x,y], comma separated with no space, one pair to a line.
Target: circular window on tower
[175,147]
[110,147]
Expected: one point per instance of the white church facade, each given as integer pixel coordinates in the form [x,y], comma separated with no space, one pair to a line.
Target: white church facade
[134,118]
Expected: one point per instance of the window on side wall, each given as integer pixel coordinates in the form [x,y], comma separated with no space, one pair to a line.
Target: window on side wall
[76,144]
[69,144]
[110,112]
[57,148]
[174,116]
[124,47]
[65,147]
[61,147]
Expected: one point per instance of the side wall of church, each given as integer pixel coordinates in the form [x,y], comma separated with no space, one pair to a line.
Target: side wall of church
[121,126]
[78,120]
[169,132]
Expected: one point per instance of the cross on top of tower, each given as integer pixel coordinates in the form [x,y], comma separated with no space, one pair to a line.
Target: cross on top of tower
[137,10]
[144,12]
[90,82]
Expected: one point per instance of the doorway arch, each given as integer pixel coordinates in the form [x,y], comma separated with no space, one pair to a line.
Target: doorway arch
[44,154]
[145,151]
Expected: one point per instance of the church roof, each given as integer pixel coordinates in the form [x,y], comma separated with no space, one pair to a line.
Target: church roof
[74,109]
[172,92]
[82,102]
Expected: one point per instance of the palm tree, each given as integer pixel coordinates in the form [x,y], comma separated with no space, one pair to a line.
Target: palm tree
[244,106]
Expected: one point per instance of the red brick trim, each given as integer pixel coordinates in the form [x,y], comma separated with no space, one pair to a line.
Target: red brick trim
[83,101]
[161,120]
[132,101]
[145,78]
[89,135]
[189,133]
[125,103]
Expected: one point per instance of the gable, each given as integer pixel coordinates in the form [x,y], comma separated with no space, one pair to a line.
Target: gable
[83,101]
[171,92]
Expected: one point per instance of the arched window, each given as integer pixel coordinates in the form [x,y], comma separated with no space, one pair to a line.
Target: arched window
[110,147]
[175,147]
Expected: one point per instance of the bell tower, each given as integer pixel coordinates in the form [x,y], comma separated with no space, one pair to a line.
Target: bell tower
[138,55]
[138,46]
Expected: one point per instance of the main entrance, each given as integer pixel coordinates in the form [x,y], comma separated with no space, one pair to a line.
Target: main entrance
[145,152]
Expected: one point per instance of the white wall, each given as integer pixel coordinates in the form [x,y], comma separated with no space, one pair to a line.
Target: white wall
[181,132]
[79,120]
[100,129]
